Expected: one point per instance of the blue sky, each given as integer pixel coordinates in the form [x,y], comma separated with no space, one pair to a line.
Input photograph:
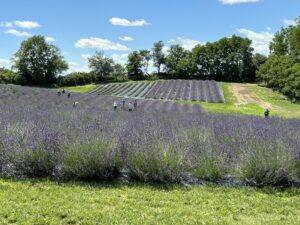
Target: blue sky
[80,27]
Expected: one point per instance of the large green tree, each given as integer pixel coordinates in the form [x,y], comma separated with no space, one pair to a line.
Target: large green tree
[229,59]
[146,57]
[176,62]
[158,55]
[282,73]
[282,69]
[103,67]
[38,62]
[135,66]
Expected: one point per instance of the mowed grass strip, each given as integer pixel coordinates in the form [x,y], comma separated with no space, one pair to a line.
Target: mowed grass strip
[46,202]
[81,89]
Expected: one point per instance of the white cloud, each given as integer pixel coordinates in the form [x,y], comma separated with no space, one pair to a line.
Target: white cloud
[4,62]
[186,43]
[100,43]
[232,2]
[288,22]
[126,23]
[21,24]
[126,38]
[27,24]
[17,33]
[76,67]
[50,39]
[260,41]
[171,41]
[122,58]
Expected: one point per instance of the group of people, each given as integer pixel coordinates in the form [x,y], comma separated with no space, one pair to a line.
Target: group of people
[130,106]
[59,93]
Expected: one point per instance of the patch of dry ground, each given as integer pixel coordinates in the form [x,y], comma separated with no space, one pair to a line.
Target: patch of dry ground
[245,94]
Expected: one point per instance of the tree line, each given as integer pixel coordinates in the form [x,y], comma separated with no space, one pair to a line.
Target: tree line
[282,69]
[228,59]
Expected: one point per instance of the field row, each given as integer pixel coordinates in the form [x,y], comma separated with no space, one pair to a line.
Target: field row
[137,90]
[191,90]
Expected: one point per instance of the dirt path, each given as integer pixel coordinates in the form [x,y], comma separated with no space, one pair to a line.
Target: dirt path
[246,95]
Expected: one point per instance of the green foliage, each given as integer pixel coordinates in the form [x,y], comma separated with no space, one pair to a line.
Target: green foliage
[177,62]
[37,162]
[283,74]
[158,55]
[77,78]
[279,45]
[39,62]
[9,77]
[95,159]
[146,57]
[101,66]
[266,164]
[135,66]
[160,164]
[120,74]
[229,59]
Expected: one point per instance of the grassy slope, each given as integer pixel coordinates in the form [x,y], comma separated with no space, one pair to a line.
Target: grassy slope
[81,89]
[229,105]
[282,106]
[45,202]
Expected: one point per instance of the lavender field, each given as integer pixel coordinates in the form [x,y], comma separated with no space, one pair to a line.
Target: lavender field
[191,90]
[42,135]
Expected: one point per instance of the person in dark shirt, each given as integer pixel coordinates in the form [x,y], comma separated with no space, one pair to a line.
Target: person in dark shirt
[267,113]
[135,105]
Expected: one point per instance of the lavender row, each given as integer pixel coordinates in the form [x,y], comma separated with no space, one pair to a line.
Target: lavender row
[191,90]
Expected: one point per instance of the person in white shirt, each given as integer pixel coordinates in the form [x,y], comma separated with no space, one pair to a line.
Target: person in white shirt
[115,106]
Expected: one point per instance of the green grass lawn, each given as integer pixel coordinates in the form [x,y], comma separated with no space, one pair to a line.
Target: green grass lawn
[281,106]
[229,105]
[46,202]
[81,89]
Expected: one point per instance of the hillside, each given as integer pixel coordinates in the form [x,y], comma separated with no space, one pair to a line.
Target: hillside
[250,99]
[190,90]
[40,98]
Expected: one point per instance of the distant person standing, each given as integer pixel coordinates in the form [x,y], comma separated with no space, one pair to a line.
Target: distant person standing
[63,91]
[69,95]
[135,104]
[130,107]
[115,106]
[267,113]
[123,104]
[75,104]
[58,93]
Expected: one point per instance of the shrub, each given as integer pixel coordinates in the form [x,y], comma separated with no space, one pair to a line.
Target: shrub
[266,163]
[91,160]
[36,162]
[160,163]
[205,159]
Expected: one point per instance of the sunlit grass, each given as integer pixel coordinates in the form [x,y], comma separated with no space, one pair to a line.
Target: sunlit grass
[46,202]
[81,89]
